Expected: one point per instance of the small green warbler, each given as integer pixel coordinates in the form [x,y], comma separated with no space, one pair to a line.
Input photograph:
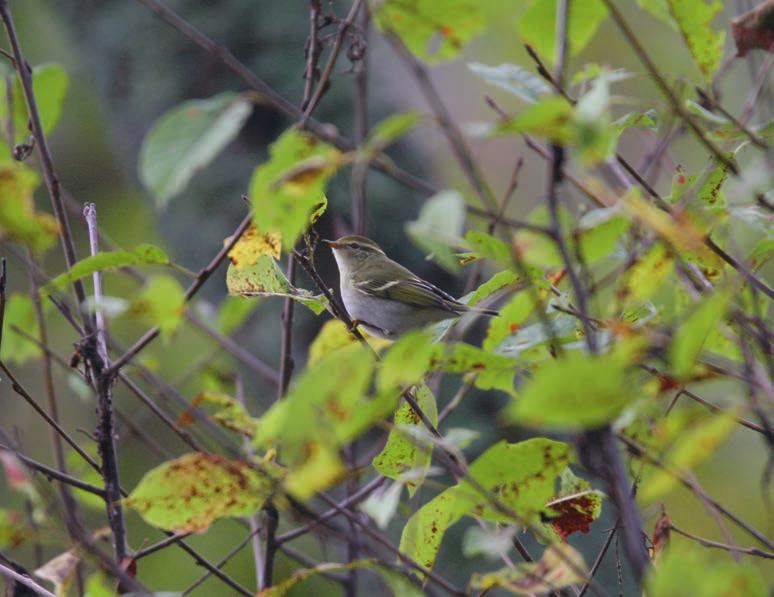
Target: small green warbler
[384,297]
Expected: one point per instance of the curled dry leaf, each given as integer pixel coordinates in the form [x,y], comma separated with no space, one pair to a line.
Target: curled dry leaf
[754,29]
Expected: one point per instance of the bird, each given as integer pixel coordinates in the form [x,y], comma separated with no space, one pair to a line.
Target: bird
[383,297]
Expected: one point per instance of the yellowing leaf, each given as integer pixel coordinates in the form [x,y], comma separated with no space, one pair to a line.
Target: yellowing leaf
[431,34]
[191,492]
[679,231]
[60,571]
[264,278]
[287,191]
[560,566]
[332,336]
[252,245]
[232,414]
[19,222]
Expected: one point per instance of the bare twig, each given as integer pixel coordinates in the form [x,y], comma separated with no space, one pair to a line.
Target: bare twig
[752,551]
[94,349]
[25,580]
[322,86]
[201,278]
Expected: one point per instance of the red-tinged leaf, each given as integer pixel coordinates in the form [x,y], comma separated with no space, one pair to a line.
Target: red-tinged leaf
[754,29]
[574,508]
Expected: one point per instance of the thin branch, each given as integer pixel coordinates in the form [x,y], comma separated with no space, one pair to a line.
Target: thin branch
[752,551]
[24,580]
[666,89]
[201,278]
[94,349]
[322,86]
[46,161]
[447,124]
[53,473]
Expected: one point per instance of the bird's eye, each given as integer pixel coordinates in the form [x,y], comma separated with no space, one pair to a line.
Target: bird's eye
[355,246]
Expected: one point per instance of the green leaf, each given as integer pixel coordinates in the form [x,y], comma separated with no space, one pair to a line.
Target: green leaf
[537,26]
[689,339]
[388,130]
[86,473]
[688,569]
[109,260]
[694,20]
[570,393]
[692,447]
[19,222]
[514,313]
[521,476]
[49,83]
[265,278]
[439,227]
[551,117]
[560,566]
[486,246]
[513,78]
[97,586]
[186,139]
[287,192]
[492,370]
[20,313]
[560,328]
[403,451]
[599,233]
[500,281]
[398,584]
[191,492]
[407,361]
[321,413]
[161,303]
[232,314]
[429,33]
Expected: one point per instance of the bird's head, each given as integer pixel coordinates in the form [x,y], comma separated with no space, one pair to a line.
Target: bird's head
[352,252]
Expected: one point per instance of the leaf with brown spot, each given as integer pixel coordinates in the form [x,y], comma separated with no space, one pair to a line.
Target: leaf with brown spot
[252,245]
[403,451]
[560,566]
[287,192]
[189,493]
[521,476]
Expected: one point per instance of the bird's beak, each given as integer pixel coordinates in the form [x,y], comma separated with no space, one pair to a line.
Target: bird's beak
[331,243]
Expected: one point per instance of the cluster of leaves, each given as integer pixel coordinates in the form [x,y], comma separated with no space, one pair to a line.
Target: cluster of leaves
[653,332]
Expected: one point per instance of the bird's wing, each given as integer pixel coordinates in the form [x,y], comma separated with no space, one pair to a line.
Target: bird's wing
[410,290]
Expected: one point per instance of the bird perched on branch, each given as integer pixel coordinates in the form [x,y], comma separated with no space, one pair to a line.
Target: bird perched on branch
[384,297]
